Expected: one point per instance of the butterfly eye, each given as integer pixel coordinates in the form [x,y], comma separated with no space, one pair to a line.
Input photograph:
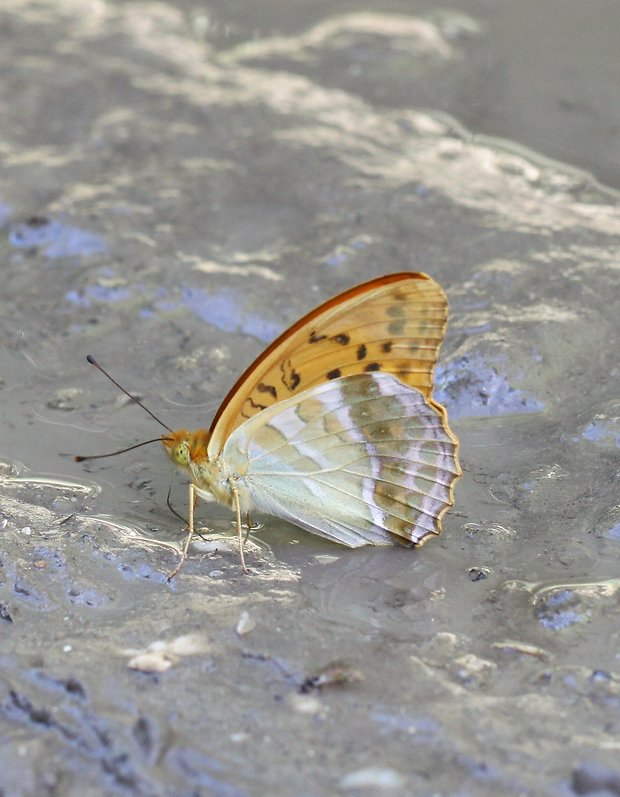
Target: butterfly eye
[180,455]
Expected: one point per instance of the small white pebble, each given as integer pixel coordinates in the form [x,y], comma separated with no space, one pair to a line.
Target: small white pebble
[187,645]
[67,649]
[237,738]
[245,624]
[373,778]
[3,524]
[306,704]
[149,662]
[474,664]
[26,530]
[326,558]
[470,665]
[216,573]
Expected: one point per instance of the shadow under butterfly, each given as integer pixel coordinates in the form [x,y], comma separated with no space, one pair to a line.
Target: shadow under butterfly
[334,427]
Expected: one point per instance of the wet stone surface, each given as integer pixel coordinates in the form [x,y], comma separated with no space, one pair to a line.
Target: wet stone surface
[176,192]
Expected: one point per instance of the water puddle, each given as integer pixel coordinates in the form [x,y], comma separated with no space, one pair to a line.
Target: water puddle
[561,606]
[55,239]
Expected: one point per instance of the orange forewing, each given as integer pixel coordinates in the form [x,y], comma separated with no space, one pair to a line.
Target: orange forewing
[394,324]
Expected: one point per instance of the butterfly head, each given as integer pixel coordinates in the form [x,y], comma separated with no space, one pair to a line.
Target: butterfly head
[184,447]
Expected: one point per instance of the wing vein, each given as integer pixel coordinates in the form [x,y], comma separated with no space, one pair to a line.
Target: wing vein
[382,509]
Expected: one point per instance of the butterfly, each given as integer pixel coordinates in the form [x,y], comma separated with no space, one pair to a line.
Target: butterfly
[333,427]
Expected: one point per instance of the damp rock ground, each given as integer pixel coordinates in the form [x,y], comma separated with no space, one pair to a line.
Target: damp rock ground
[175,192]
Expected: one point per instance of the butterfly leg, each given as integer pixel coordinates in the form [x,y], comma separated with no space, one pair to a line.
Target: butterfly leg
[193,498]
[248,527]
[235,495]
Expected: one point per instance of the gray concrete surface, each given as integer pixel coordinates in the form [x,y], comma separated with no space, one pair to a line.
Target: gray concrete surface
[179,183]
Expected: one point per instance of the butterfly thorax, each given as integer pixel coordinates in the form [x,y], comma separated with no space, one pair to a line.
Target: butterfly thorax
[189,451]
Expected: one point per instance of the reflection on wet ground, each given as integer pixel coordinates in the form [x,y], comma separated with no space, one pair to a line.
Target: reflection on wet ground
[174,220]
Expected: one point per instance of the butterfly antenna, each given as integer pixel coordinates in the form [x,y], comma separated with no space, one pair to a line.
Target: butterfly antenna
[79,458]
[94,362]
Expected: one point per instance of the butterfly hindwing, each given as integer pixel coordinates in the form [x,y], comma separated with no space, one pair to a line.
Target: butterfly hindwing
[363,459]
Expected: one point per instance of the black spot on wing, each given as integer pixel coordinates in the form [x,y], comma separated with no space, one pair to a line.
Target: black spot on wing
[314,338]
[290,377]
[361,351]
[342,338]
[387,346]
[334,373]
[263,388]
[255,405]
[373,367]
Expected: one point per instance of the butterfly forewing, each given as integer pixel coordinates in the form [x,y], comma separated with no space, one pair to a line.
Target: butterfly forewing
[394,324]
[360,459]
